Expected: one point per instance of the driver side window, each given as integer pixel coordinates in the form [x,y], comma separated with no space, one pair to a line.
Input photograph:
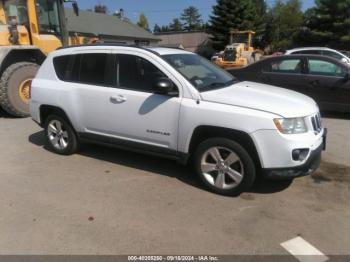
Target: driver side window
[137,73]
[325,68]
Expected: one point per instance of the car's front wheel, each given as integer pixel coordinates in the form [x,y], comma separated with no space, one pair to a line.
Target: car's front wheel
[224,166]
[60,135]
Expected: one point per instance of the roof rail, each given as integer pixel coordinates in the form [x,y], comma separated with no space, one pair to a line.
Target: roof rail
[97,44]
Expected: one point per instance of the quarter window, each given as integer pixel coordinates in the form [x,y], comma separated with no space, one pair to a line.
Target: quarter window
[63,67]
[291,66]
[137,73]
[325,68]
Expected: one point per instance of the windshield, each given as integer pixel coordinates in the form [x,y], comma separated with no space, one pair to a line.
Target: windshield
[203,74]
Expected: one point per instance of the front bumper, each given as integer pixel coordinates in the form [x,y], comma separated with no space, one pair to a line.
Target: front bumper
[278,153]
[311,165]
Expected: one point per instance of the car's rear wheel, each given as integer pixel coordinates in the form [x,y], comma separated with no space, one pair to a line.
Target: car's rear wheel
[60,135]
[224,166]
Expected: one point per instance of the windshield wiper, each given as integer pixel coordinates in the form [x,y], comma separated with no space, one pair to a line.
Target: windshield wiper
[219,84]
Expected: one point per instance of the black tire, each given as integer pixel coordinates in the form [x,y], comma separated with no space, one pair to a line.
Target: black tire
[245,162]
[71,139]
[10,82]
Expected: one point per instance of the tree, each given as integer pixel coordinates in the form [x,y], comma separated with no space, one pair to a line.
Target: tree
[231,15]
[157,29]
[285,20]
[176,25]
[191,18]
[165,28]
[328,23]
[260,24]
[99,8]
[143,22]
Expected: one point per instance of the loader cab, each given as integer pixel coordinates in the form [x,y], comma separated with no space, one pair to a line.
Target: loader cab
[39,22]
[29,31]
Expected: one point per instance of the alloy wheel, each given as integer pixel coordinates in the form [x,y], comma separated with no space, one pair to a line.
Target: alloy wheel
[57,134]
[222,167]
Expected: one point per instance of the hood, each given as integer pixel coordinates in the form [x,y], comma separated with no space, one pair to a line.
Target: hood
[280,101]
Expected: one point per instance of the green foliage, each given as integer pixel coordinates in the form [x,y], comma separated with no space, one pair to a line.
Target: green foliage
[99,8]
[232,14]
[165,28]
[176,25]
[157,29]
[191,18]
[143,22]
[284,22]
[206,49]
[328,24]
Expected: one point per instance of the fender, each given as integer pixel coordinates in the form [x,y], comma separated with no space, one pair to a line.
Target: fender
[13,54]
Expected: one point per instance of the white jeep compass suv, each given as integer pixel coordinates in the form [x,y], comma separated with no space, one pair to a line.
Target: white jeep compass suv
[176,104]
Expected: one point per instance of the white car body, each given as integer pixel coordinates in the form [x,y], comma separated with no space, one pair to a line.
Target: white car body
[330,52]
[169,123]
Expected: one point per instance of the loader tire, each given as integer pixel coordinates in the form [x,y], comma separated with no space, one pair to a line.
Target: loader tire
[14,88]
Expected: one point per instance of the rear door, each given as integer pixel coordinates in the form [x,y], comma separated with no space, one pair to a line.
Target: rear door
[327,83]
[88,82]
[284,72]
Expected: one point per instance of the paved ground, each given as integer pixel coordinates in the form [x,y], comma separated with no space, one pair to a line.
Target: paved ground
[106,201]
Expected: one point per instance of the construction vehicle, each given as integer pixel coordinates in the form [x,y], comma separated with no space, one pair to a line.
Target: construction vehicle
[239,52]
[29,30]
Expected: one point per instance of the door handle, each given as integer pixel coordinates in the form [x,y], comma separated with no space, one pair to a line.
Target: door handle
[314,83]
[118,99]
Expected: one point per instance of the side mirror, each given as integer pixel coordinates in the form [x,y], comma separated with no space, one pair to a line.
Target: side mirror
[163,86]
[75,8]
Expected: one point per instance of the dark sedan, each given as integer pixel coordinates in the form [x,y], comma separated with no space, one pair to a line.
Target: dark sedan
[325,79]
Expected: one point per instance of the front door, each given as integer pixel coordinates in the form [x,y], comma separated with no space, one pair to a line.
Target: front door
[136,113]
[328,85]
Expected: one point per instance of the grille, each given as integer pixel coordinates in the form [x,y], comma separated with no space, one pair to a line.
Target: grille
[316,123]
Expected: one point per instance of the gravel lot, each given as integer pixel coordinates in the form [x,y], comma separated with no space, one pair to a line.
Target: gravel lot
[107,201]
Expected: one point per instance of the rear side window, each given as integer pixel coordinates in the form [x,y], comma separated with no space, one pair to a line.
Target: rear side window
[292,66]
[94,69]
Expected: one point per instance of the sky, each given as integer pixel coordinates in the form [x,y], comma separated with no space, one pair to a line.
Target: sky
[160,12]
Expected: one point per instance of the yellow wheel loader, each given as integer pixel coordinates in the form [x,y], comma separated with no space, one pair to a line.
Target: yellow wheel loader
[239,52]
[29,30]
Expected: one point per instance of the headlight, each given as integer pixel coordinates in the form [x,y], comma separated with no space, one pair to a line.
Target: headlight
[291,125]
